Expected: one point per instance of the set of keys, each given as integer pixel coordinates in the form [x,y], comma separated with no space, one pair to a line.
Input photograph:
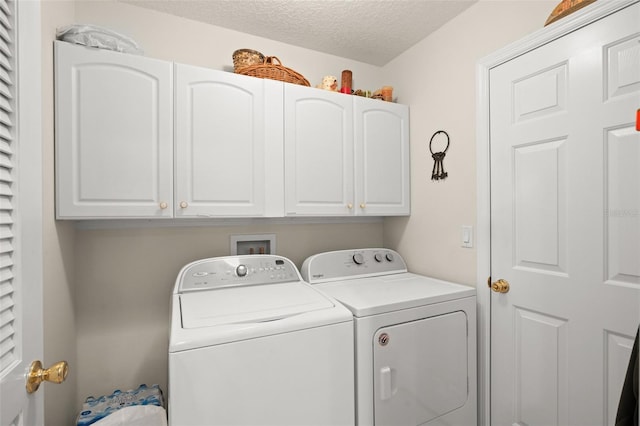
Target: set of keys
[438,172]
[438,168]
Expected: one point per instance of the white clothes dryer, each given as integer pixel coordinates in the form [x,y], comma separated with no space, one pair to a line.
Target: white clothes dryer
[415,338]
[252,344]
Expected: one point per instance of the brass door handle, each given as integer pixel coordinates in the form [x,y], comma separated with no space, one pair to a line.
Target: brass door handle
[500,286]
[55,374]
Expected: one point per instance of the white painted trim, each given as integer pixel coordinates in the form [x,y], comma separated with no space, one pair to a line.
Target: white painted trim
[483,244]
[28,134]
[579,19]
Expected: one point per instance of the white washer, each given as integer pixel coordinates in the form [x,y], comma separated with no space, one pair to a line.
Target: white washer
[252,344]
[415,338]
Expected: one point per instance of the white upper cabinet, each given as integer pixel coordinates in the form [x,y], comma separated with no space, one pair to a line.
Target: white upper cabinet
[345,155]
[221,142]
[114,134]
[115,139]
[143,138]
[318,145]
[382,175]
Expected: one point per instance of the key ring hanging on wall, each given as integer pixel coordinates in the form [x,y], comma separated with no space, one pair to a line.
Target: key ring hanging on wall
[438,172]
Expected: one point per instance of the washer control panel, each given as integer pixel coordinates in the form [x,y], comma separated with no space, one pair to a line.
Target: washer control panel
[230,271]
[335,265]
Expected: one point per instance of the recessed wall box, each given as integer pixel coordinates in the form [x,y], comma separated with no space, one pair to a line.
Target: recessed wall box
[252,244]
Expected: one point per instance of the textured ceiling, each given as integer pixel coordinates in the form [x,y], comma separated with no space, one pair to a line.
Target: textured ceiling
[370,31]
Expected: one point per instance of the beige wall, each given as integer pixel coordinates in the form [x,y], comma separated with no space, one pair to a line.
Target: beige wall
[58,244]
[438,82]
[119,306]
[181,40]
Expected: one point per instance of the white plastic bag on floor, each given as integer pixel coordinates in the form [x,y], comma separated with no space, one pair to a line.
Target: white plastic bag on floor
[135,415]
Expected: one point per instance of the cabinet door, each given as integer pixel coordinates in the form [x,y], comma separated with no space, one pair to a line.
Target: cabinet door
[220,143]
[381,158]
[318,152]
[114,134]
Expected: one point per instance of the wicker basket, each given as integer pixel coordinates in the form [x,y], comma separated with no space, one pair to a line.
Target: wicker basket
[246,57]
[274,71]
[566,7]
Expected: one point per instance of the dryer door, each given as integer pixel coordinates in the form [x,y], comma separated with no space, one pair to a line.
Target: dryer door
[420,369]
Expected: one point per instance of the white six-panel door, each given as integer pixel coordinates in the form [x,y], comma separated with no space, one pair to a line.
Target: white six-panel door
[565,225]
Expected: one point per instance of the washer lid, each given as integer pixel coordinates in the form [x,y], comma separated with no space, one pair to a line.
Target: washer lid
[389,293]
[249,304]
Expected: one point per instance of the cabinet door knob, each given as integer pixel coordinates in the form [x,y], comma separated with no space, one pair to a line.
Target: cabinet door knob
[349,206]
[362,205]
[163,205]
[184,205]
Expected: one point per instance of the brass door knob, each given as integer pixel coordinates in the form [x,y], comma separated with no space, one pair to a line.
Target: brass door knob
[55,374]
[500,286]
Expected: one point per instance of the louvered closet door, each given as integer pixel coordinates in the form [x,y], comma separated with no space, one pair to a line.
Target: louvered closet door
[20,211]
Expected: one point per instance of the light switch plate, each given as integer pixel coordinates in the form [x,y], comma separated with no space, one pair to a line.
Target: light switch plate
[466,236]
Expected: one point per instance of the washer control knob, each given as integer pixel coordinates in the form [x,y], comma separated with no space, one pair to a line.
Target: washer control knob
[241,270]
[378,257]
[358,259]
[389,257]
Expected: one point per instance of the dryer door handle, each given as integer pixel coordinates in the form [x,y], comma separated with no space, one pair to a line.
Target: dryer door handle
[388,386]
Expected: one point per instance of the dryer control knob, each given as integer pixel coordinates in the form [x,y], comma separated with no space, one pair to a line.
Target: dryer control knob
[378,257]
[358,259]
[389,257]
[241,270]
